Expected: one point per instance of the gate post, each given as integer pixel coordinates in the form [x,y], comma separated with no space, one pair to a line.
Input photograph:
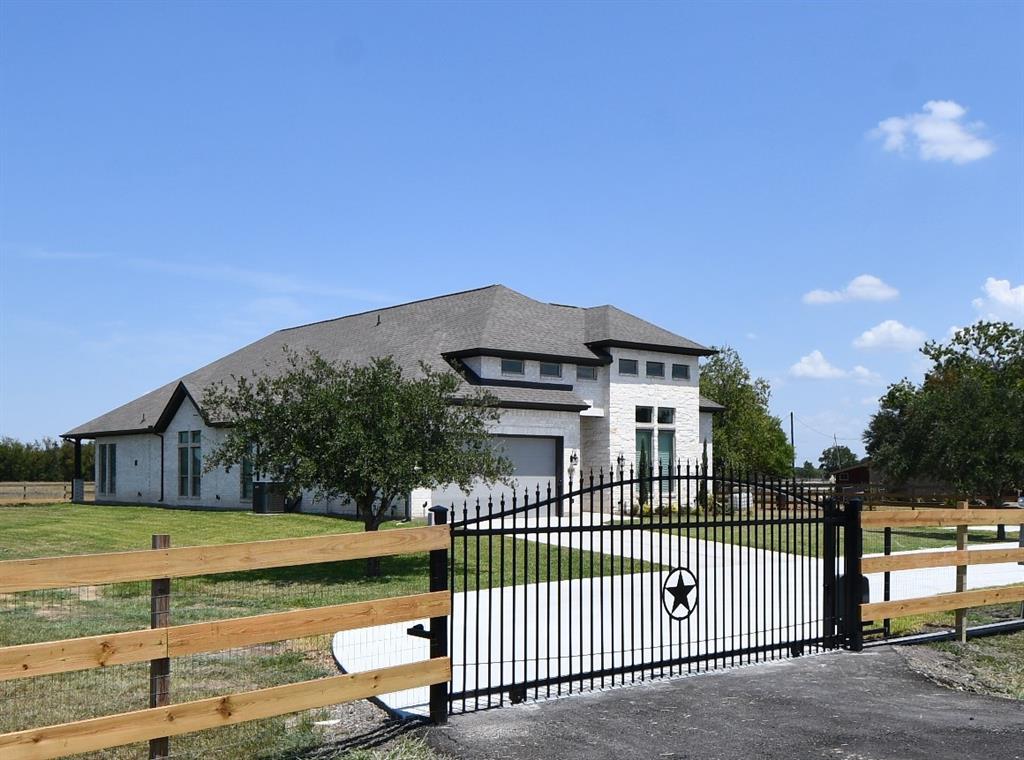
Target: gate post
[853,548]
[829,528]
[439,625]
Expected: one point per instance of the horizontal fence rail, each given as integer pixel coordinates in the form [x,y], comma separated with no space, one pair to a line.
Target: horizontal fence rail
[29,660]
[187,717]
[160,644]
[937,518]
[118,567]
[921,560]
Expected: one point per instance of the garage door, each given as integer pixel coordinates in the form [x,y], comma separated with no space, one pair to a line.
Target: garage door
[535,461]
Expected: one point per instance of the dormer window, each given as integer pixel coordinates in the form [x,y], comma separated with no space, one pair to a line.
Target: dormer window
[512,367]
[550,369]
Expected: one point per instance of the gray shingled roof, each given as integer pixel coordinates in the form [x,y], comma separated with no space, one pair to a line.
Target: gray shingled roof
[494,319]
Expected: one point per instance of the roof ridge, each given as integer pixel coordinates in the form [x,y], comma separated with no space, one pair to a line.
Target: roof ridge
[394,306]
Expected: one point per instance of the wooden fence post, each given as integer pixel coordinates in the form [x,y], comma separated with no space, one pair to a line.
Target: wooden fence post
[961,577]
[160,669]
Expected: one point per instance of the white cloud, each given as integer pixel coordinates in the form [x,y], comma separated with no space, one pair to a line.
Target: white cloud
[865,287]
[891,334]
[865,375]
[938,132]
[1001,302]
[816,367]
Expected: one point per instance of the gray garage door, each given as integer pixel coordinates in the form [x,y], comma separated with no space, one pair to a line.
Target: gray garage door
[535,461]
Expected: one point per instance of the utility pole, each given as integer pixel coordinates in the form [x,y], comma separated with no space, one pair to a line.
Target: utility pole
[792,445]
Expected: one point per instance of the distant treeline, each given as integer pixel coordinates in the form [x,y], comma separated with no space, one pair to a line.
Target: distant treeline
[47,460]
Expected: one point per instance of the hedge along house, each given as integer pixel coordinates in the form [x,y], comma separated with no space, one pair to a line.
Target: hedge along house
[579,389]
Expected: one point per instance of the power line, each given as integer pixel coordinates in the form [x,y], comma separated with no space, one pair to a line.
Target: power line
[825,435]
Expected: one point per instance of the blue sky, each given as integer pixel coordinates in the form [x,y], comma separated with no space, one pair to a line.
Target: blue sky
[177,180]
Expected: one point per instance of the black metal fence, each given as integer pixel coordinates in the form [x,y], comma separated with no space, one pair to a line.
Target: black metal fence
[630,576]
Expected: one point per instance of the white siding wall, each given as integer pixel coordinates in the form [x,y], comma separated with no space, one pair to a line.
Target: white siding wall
[136,479]
[626,392]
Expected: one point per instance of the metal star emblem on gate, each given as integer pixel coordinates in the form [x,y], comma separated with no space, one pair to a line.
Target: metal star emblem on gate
[679,593]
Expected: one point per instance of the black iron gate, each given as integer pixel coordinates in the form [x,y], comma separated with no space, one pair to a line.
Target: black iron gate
[632,576]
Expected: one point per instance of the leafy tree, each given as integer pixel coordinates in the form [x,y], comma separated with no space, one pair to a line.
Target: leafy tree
[962,424]
[836,458]
[43,460]
[367,432]
[808,470]
[747,435]
[645,474]
[702,489]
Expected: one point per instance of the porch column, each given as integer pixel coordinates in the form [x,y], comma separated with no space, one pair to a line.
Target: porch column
[78,482]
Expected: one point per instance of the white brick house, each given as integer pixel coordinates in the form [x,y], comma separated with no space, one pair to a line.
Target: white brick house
[579,388]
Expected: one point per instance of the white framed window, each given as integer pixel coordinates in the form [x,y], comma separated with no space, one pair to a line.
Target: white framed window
[680,371]
[666,415]
[628,367]
[550,369]
[190,464]
[645,415]
[513,367]
[586,372]
[666,449]
[246,476]
[106,468]
[655,369]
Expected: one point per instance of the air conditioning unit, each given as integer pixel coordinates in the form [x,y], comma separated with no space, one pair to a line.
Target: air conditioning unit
[268,498]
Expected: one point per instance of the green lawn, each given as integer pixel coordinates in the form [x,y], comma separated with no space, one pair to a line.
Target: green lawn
[61,529]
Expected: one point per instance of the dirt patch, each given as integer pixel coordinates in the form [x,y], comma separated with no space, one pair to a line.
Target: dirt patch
[361,726]
[990,665]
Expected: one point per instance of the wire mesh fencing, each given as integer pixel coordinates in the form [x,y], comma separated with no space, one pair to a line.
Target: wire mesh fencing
[28,617]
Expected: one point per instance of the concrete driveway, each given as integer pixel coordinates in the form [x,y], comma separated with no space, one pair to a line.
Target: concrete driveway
[837,706]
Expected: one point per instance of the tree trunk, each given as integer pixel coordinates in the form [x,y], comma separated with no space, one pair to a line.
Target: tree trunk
[1000,529]
[372,563]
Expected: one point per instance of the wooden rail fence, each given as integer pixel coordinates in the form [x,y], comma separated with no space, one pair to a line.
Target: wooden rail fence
[41,492]
[161,643]
[960,600]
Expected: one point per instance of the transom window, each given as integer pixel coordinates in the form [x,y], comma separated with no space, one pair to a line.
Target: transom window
[550,369]
[586,373]
[512,367]
[680,371]
[666,415]
[655,369]
[645,415]
[106,468]
[190,463]
[628,367]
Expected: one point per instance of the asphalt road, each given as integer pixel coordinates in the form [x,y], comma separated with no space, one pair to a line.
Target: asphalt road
[837,706]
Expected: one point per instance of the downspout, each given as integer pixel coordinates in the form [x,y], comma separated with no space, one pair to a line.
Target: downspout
[161,437]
